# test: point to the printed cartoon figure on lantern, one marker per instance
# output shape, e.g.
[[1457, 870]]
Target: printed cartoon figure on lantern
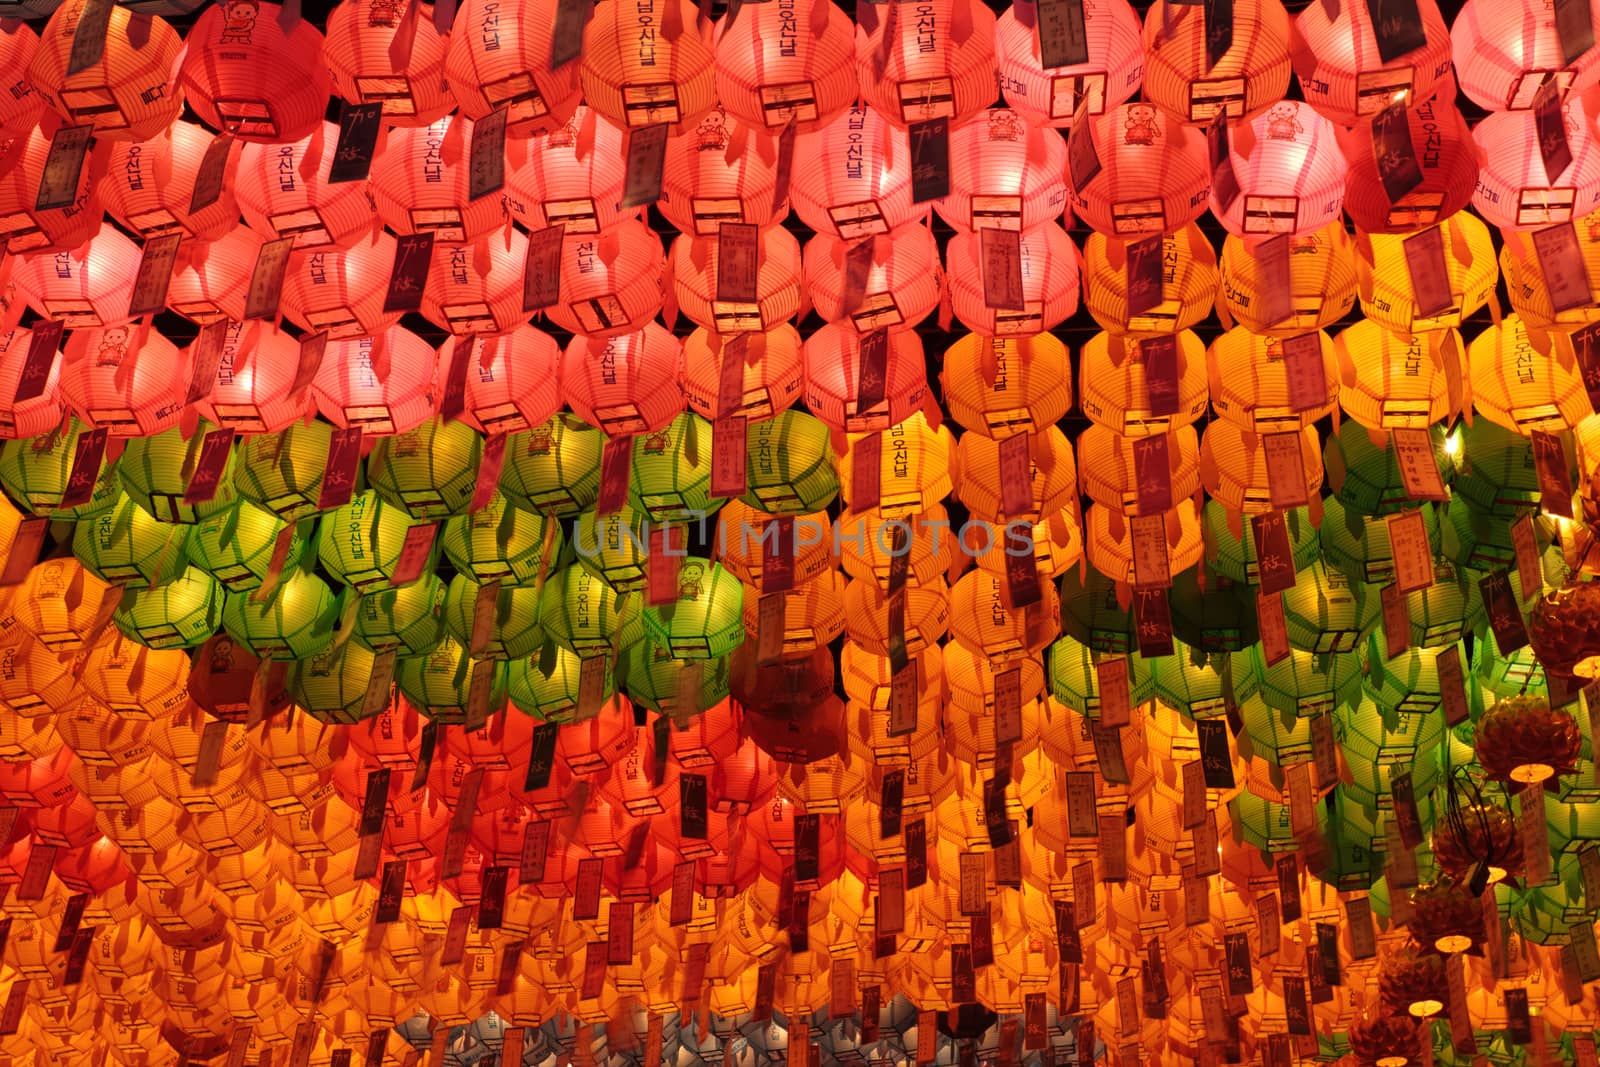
[[1283, 124], [238, 20], [655, 444], [1140, 125], [1004, 126], [712, 133], [689, 578], [539, 440], [113, 347]]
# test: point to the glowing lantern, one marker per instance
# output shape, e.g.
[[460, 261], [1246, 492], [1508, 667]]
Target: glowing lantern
[[773, 371], [860, 183], [1114, 390], [408, 620], [790, 464], [20, 106], [477, 288], [254, 70], [126, 544], [501, 59], [1343, 74], [210, 281], [148, 186], [420, 184], [741, 550], [1053, 477], [35, 470], [1250, 382], [1292, 181], [832, 379], [706, 620], [903, 285], [1111, 552], [129, 93], [40, 682], [552, 696], [1504, 52], [90, 286], [1050, 97], [514, 633], [29, 418], [667, 77], [251, 392], [180, 614], [155, 472], [1188, 282], [1322, 281], [1519, 382], [1152, 176], [235, 546], [774, 66], [1389, 298], [296, 622], [1513, 190], [623, 383], [722, 171], [938, 65], [613, 547], [352, 389], [506, 394], [340, 291], [359, 544], [283, 191], [1529, 287], [816, 612], [1252, 74], [1050, 267], [1393, 380], [429, 471], [553, 468], [129, 380], [379, 52], [914, 470], [1004, 174], [569, 175], [610, 283], [282, 472], [1446, 156], [1359, 546], [1107, 470], [583, 615], [670, 480], [999, 386], [1236, 469], [653, 680], [332, 685], [692, 264], [500, 542]]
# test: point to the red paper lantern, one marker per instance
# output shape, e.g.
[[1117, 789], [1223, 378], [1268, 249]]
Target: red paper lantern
[[772, 371], [340, 291], [1112, 73], [723, 170], [421, 183], [477, 287], [1153, 175], [903, 286], [773, 825], [933, 61], [572, 175], [1050, 271], [130, 380], [611, 282], [788, 62], [855, 176], [589, 747], [1513, 190], [513, 381], [1446, 155], [29, 418], [19, 104], [624, 384], [381, 52], [1249, 76], [283, 191], [148, 186], [833, 379], [251, 392], [23, 226], [130, 93], [253, 70], [96, 867], [499, 56], [647, 62], [350, 390], [212, 279], [693, 264], [1004, 174], [1292, 181], [1505, 49], [1342, 73]]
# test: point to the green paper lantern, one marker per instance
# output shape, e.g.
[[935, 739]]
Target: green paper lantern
[[516, 633], [1356, 844], [554, 468], [236, 546], [790, 467], [429, 471], [670, 480], [296, 621], [180, 614], [1221, 617], [156, 470], [584, 615], [408, 619], [35, 470], [1233, 555], [1075, 682], [1325, 613], [550, 696], [1092, 613], [1441, 614], [1371, 782], [706, 620], [124, 544], [1371, 484], [1506, 676], [1496, 472], [653, 679], [1358, 546], [440, 683], [613, 548], [282, 472], [1277, 735], [1545, 914], [1261, 823], [332, 685], [502, 542], [1395, 739], [359, 543], [1309, 683], [1407, 683], [1196, 683]]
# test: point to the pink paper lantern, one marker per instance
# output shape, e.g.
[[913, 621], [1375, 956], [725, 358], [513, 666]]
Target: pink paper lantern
[[1505, 49], [383, 383], [1344, 77], [724, 170], [19, 104], [29, 418], [477, 287], [252, 70], [378, 51], [692, 264], [572, 175], [499, 56], [128, 379], [283, 191], [786, 62], [1446, 155], [1249, 77], [647, 62], [903, 285], [212, 278], [610, 282], [935, 60], [852, 176], [251, 391], [1051, 97], [833, 379], [513, 380], [87, 287], [148, 186], [625, 384], [23, 226], [1293, 179], [1513, 190], [341, 290], [131, 93], [1004, 174], [1153, 176], [1051, 267], [421, 183]]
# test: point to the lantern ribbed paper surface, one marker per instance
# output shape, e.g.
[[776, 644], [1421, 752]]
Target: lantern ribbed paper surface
[[284, 191], [939, 64], [1050, 97], [1004, 174], [1188, 282], [1250, 75], [645, 63], [1447, 159], [130, 92], [1292, 180], [858, 179], [149, 184], [380, 53], [1050, 270], [786, 63], [1388, 292], [1342, 69], [571, 174], [610, 282], [723, 170], [254, 70], [1322, 281], [340, 291], [1152, 176], [1503, 52], [1514, 190], [903, 285]]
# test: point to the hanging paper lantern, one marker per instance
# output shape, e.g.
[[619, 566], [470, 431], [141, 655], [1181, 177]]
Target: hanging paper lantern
[[937, 65], [721, 171], [421, 184], [1250, 382], [255, 70], [130, 92], [180, 614], [379, 52], [359, 543], [1520, 383], [149, 184], [283, 190], [1050, 267], [1053, 477], [155, 472], [1152, 175], [295, 623], [428, 471], [125, 544], [210, 281], [623, 383], [614, 547], [35, 471], [512, 379], [817, 612], [1513, 190], [477, 288], [790, 464], [1322, 281], [773, 371], [610, 283], [670, 480], [28, 228], [32, 417], [340, 291], [1445, 154], [383, 384], [282, 472], [553, 468], [20, 106], [1388, 295], [1107, 470], [1292, 180], [1251, 75], [740, 547], [1188, 282], [129, 380], [833, 372], [1504, 52], [643, 66], [515, 633], [236, 546], [501, 59], [999, 386], [1237, 474], [858, 179], [1111, 552], [1050, 96], [693, 266], [1530, 288], [582, 614], [569, 175], [903, 285], [1393, 380], [783, 64], [706, 620], [408, 620], [57, 603], [1114, 391], [251, 393], [1340, 67], [332, 685], [1004, 174]]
